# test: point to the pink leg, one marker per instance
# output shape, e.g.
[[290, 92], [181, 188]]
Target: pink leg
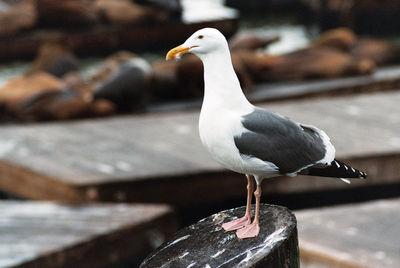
[[246, 219], [252, 229]]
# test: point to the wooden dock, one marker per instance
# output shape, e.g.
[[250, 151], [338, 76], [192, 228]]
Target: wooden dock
[[158, 157], [357, 235], [383, 79], [42, 234]]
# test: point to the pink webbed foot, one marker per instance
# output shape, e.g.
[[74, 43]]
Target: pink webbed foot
[[248, 231], [236, 224]]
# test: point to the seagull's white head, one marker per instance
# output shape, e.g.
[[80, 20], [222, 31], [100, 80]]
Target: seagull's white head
[[201, 43]]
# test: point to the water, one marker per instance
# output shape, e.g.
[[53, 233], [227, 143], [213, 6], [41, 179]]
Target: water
[[293, 34], [206, 10]]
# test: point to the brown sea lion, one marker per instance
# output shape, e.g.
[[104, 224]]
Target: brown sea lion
[[55, 59], [306, 64], [251, 41], [16, 17], [124, 80], [67, 13], [339, 38], [126, 12], [377, 50]]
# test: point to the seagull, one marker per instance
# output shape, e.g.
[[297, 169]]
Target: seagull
[[251, 140]]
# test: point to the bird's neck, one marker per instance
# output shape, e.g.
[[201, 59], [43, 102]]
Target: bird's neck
[[221, 84]]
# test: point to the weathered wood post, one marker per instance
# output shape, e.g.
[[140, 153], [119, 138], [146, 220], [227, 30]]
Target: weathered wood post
[[206, 244]]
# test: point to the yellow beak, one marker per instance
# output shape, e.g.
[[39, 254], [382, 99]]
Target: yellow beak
[[177, 51]]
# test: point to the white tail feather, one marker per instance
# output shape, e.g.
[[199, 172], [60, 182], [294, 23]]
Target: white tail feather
[[345, 180]]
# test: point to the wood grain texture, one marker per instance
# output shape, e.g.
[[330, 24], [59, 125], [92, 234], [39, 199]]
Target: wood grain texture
[[206, 244], [41, 234], [357, 235], [148, 157], [383, 79]]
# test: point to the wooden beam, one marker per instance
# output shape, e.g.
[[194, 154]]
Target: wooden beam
[[355, 235], [383, 79], [159, 157], [206, 244], [37, 186], [42, 234]]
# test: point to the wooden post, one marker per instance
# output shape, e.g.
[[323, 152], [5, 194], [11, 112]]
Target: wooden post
[[206, 244]]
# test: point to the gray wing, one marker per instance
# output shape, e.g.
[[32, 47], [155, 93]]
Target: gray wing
[[276, 139]]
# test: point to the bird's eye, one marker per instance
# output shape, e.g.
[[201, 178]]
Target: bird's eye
[[200, 37]]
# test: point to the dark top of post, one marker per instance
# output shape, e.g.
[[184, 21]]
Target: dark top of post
[[206, 244]]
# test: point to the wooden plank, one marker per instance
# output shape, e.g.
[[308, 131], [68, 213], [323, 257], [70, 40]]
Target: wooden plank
[[358, 235], [42, 234], [383, 79], [148, 157], [206, 244]]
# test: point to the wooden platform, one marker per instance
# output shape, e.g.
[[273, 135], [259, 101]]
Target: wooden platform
[[358, 235], [159, 158], [207, 244], [383, 79], [41, 234]]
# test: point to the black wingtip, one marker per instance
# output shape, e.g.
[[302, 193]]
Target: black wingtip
[[336, 169], [363, 175]]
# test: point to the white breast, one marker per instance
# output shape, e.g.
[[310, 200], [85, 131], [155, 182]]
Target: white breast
[[217, 131]]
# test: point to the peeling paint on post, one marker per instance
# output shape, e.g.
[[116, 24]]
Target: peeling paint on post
[[206, 244]]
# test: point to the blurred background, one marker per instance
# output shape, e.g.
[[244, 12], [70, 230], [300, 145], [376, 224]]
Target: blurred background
[[100, 160]]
